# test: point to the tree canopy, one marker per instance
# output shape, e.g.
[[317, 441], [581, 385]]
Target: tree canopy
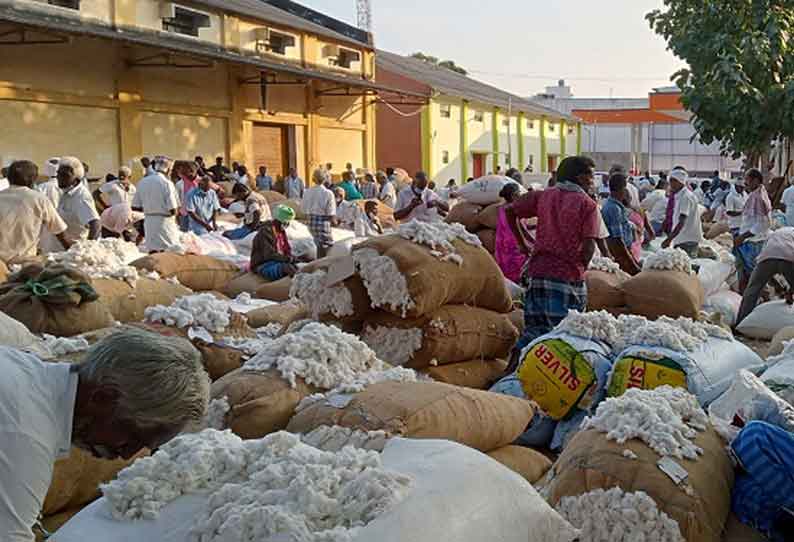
[[448, 64], [740, 81]]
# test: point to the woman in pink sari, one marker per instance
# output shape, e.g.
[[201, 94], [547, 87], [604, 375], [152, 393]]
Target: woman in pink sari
[[508, 254]]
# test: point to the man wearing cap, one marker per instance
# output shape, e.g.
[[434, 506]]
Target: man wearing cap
[[271, 254], [156, 198], [687, 230], [255, 209]]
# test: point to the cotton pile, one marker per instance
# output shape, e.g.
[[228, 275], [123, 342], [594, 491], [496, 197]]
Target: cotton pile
[[203, 310], [63, 346], [605, 265], [310, 289], [360, 382], [216, 414], [393, 344], [438, 236], [666, 419], [335, 438], [385, 283], [322, 355], [668, 259], [614, 516], [275, 488], [102, 259]]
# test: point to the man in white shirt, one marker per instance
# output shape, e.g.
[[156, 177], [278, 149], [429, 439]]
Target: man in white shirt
[[156, 198], [734, 205], [655, 206], [418, 202], [49, 243], [787, 204], [119, 191], [345, 210], [687, 232], [4, 184], [319, 204], [387, 194], [367, 223], [135, 389], [24, 214], [77, 207], [776, 258], [294, 187]]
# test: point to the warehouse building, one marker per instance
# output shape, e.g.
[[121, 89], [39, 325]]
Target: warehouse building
[[467, 128], [261, 83]]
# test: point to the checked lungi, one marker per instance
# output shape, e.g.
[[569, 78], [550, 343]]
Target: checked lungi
[[320, 228]]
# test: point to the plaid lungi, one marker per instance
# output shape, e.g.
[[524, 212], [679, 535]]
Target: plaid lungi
[[546, 304], [320, 228], [764, 491]]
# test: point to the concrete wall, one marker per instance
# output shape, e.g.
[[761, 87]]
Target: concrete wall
[[341, 146], [183, 136]]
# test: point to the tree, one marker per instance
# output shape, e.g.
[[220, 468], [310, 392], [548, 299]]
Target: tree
[[739, 85], [448, 64]]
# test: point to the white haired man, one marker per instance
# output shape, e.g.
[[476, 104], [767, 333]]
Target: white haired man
[[157, 199], [134, 390], [687, 229], [120, 190], [77, 206]]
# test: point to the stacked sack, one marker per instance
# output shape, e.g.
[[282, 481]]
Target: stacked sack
[[605, 282], [428, 297]]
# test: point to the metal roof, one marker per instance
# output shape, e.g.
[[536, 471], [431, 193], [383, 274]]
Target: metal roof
[[64, 24], [445, 81]]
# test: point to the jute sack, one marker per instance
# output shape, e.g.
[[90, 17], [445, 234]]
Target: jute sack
[[530, 464], [56, 521], [362, 308], [277, 291], [716, 230], [433, 283], [199, 273], [604, 290], [426, 410], [517, 318], [488, 239], [272, 196], [664, 293], [784, 335], [127, 303], [260, 402], [283, 314], [294, 204], [451, 334], [477, 374], [245, 282], [4, 272], [465, 213], [76, 479], [489, 217], [591, 462], [57, 300]]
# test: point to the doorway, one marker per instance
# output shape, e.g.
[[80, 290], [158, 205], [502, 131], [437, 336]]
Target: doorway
[[270, 148], [478, 165], [552, 162]]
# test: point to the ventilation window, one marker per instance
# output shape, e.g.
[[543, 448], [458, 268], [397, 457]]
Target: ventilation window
[[183, 21], [570, 130], [348, 57], [446, 111], [531, 124], [551, 127], [506, 123], [445, 157], [479, 116], [271, 41]]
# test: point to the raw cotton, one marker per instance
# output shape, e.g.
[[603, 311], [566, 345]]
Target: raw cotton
[[216, 414], [596, 325], [275, 488], [606, 265], [310, 289], [102, 259], [615, 516], [322, 355], [438, 236], [667, 419], [335, 438], [385, 283], [62, 346], [668, 259], [397, 346], [204, 310]]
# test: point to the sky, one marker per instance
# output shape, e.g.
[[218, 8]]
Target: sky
[[601, 48]]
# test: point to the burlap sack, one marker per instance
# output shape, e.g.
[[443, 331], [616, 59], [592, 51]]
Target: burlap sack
[[489, 217], [428, 410], [716, 230], [604, 290], [199, 273], [736, 531], [477, 374], [127, 303], [272, 196], [362, 306], [433, 283], [465, 213], [283, 314], [488, 240], [452, 334], [784, 335], [245, 282], [294, 204], [4, 272], [517, 318], [57, 300], [277, 291], [528, 463], [664, 293], [54, 522], [76, 479], [590, 462], [260, 402]]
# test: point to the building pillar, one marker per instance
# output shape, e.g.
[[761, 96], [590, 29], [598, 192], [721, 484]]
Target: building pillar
[[230, 32], [130, 118], [544, 158], [370, 141], [520, 135], [495, 138], [235, 130], [578, 138], [563, 140], [427, 140], [312, 157], [464, 141]]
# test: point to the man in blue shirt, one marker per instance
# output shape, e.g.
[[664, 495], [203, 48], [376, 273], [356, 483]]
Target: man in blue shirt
[[202, 206], [616, 219], [264, 181]]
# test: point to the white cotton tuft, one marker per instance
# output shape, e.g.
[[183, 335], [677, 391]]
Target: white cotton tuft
[[322, 355], [393, 345], [101, 259], [614, 516], [596, 325], [605, 265], [335, 438], [310, 289], [204, 310], [63, 346], [628, 454], [216, 414], [668, 259], [385, 284], [667, 419], [439, 236]]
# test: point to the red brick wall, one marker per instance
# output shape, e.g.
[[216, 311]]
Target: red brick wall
[[399, 138]]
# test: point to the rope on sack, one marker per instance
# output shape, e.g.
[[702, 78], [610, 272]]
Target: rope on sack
[[38, 289]]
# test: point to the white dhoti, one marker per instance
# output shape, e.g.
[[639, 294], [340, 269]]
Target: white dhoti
[[162, 234]]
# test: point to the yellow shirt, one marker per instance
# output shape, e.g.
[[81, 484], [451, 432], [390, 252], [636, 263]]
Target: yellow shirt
[[23, 213]]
